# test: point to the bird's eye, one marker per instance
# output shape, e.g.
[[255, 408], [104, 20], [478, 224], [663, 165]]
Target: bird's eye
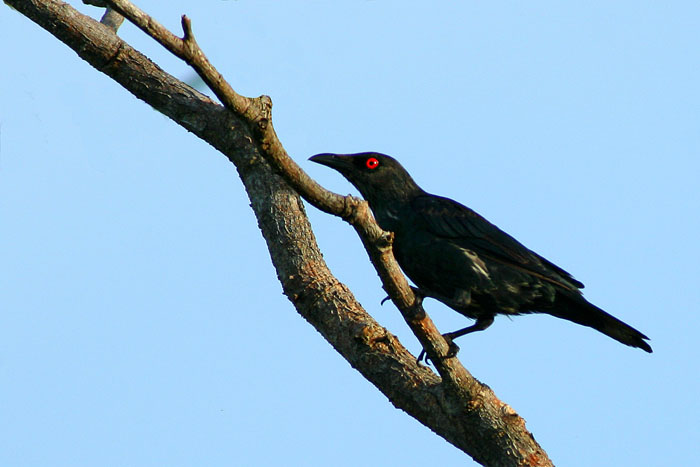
[[372, 163]]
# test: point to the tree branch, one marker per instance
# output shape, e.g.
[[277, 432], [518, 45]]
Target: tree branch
[[257, 112], [458, 407]]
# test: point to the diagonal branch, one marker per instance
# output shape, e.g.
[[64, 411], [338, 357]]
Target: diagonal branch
[[257, 113], [460, 409]]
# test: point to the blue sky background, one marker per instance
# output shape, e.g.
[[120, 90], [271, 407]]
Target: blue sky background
[[141, 322]]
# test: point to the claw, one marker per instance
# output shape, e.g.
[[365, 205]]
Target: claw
[[422, 357], [452, 351], [419, 295], [453, 348]]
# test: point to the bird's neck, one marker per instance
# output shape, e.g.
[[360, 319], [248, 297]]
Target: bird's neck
[[392, 210]]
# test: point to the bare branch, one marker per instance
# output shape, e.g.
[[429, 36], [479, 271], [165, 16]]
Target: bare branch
[[258, 113], [460, 409]]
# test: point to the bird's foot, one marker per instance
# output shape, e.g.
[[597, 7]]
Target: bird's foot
[[416, 291], [419, 294], [452, 350], [417, 311], [422, 356]]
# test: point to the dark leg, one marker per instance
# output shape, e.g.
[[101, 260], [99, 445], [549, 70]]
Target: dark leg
[[481, 323]]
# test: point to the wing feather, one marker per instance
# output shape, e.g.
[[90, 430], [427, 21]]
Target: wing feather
[[451, 220]]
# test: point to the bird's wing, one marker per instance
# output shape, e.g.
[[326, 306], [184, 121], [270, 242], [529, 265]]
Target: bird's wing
[[449, 219]]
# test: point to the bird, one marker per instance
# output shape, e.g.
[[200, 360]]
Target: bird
[[456, 256]]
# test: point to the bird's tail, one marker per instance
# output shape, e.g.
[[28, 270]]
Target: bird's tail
[[578, 310]]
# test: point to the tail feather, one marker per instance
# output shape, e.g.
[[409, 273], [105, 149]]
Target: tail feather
[[580, 311]]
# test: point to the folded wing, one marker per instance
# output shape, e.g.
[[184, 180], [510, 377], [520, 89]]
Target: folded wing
[[451, 220]]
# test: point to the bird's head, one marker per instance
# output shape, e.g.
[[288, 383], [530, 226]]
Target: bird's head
[[373, 174], [383, 182]]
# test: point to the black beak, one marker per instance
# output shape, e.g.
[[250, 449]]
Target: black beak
[[338, 162]]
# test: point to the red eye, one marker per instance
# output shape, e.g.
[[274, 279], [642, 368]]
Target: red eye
[[372, 163]]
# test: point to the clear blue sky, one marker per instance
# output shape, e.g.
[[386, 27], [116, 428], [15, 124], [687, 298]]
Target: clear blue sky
[[141, 322]]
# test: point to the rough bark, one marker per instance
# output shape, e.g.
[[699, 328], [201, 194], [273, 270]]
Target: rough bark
[[454, 405]]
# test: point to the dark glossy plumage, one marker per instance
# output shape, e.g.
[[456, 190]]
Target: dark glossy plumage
[[456, 256]]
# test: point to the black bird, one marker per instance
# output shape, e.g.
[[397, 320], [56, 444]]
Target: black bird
[[456, 256]]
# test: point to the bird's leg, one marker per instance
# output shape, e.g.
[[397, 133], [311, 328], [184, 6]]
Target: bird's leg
[[482, 322]]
